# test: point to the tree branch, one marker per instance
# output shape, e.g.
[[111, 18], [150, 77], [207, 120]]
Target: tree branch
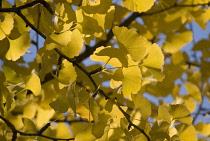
[[15, 131]]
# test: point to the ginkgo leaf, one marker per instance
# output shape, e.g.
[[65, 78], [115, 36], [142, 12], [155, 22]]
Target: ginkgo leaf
[[163, 113], [138, 5], [94, 108], [186, 132], [75, 45], [132, 77], [194, 91], [203, 129], [179, 111], [96, 6], [6, 25], [142, 104], [18, 47], [112, 56], [32, 83], [67, 73], [98, 128], [62, 103], [86, 134], [130, 42], [155, 61], [63, 131], [11, 75], [29, 110], [117, 78], [29, 126], [61, 39], [175, 42]]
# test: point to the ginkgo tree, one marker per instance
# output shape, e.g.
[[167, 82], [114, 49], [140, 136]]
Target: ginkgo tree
[[100, 63]]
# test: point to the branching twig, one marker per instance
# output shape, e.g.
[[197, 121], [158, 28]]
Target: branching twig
[[15, 132]]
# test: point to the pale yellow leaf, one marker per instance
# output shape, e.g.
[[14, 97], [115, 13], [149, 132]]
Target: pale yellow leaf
[[32, 83], [18, 47], [138, 5]]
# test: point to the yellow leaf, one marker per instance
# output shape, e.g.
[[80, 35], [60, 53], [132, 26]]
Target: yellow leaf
[[203, 129], [130, 42], [61, 104], [155, 61], [94, 108], [138, 5], [179, 111], [61, 39], [194, 91], [86, 134], [131, 82], [117, 78], [6, 25], [186, 132], [11, 75], [75, 45], [112, 56], [63, 131], [29, 110], [29, 126], [175, 42], [67, 74], [18, 47], [142, 104], [32, 83], [163, 113], [96, 6]]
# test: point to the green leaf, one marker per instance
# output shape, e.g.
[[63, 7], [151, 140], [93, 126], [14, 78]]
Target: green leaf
[[138, 5], [32, 83], [67, 74], [18, 47], [142, 104], [155, 61], [11, 75], [130, 42], [194, 91], [6, 25], [175, 42]]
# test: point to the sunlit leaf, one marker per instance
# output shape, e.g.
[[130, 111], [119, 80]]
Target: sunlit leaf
[[203, 128], [32, 83], [138, 5], [154, 61], [86, 134], [67, 73], [163, 113], [74, 47], [63, 131], [6, 25], [130, 42], [62, 39], [186, 132], [142, 104], [11, 75], [194, 91], [175, 42], [18, 47], [112, 56], [29, 110], [29, 126], [179, 111]]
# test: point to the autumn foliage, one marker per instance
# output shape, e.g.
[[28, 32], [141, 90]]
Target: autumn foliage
[[92, 70]]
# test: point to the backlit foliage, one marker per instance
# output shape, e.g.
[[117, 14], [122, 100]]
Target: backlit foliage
[[100, 69]]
